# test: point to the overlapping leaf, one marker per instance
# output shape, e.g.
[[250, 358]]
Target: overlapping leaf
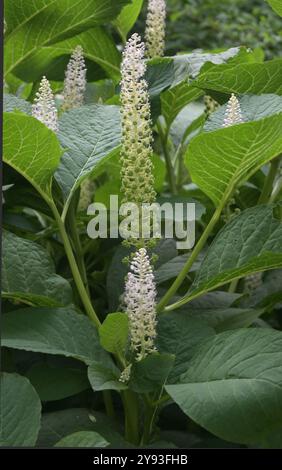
[[52, 331], [28, 274], [218, 161], [20, 411], [34, 151], [252, 242], [45, 22], [233, 387], [89, 135]]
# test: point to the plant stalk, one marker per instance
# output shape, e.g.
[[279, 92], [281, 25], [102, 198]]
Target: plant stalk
[[183, 273], [131, 410], [74, 269], [170, 170], [269, 180]]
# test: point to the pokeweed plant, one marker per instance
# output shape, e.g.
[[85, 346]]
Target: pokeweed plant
[[107, 343]]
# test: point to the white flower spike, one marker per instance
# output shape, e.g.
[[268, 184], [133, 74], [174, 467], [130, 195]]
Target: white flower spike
[[137, 169], [44, 108], [233, 114], [155, 28], [75, 81], [140, 302]]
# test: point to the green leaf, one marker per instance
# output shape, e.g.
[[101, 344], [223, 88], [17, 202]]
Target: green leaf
[[276, 5], [151, 373], [53, 331], [174, 99], [221, 160], [83, 439], [55, 383], [253, 108], [178, 334], [114, 333], [89, 135], [20, 411], [105, 377], [250, 243], [28, 274], [233, 385], [13, 103], [126, 19], [253, 78], [58, 424], [42, 23], [34, 151], [98, 47]]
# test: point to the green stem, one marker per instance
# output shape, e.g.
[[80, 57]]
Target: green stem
[[74, 269], [268, 182], [77, 246], [233, 285], [131, 410], [170, 170], [183, 273]]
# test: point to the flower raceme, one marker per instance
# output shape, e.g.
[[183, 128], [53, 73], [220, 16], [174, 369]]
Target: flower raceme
[[136, 166], [44, 108], [233, 114], [140, 302], [75, 81], [155, 28]]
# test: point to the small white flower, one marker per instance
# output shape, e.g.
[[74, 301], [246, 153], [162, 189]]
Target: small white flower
[[155, 28], [233, 114], [125, 375], [44, 108], [140, 302], [75, 81]]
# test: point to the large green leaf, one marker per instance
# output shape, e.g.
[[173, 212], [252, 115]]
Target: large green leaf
[[276, 5], [33, 150], [150, 374], [53, 331], [126, 19], [174, 99], [28, 274], [83, 439], [89, 134], [55, 383], [218, 161], [250, 78], [105, 377], [233, 385], [20, 412], [41, 23], [98, 47], [178, 334], [251, 242], [13, 103], [253, 108], [114, 333]]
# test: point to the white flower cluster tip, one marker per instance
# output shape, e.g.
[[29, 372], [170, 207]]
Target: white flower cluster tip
[[233, 114], [137, 169], [44, 108], [155, 28], [75, 81], [140, 302]]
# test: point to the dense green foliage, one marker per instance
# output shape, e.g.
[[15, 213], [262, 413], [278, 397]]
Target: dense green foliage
[[70, 374]]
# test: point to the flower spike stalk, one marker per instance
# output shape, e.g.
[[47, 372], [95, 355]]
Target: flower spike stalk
[[140, 302], [44, 108], [233, 113], [137, 169], [155, 28], [75, 81]]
